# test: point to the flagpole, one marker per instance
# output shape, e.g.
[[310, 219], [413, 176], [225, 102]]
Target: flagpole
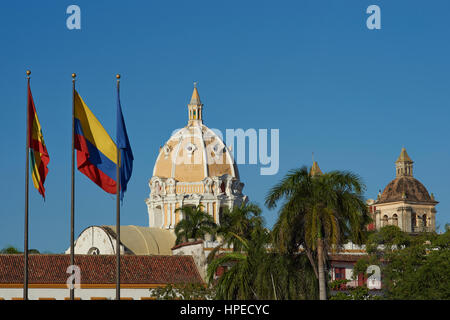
[[118, 209], [27, 177], [72, 208]]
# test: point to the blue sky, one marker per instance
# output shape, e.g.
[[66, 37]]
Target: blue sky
[[311, 69]]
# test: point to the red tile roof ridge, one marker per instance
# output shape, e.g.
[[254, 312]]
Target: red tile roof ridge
[[184, 244]]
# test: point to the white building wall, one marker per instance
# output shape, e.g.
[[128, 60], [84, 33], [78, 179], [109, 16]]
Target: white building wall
[[95, 237], [84, 294]]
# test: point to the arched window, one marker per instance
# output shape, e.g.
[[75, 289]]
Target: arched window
[[94, 251], [413, 222], [395, 220], [384, 221], [159, 219]]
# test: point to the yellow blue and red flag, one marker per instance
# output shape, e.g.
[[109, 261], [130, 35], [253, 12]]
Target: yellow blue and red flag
[[38, 152], [96, 151]]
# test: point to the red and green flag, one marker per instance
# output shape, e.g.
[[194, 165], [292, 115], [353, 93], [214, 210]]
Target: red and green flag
[[38, 152]]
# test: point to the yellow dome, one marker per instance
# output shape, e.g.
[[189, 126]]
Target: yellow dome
[[193, 168], [194, 152]]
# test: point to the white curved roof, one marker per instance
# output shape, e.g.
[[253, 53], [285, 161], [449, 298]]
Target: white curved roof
[[144, 240]]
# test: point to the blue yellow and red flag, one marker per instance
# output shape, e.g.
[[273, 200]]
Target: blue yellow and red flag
[[38, 152], [96, 151]]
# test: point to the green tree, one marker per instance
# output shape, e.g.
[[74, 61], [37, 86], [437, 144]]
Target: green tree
[[183, 291], [355, 293], [286, 277], [387, 239], [412, 266], [14, 250], [239, 282], [320, 211], [10, 250], [238, 221], [195, 224], [257, 269], [419, 270]]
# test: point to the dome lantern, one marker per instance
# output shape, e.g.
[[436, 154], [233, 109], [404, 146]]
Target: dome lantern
[[404, 165], [195, 108]]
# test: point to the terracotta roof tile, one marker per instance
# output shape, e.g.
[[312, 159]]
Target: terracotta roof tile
[[184, 244], [100, 269]]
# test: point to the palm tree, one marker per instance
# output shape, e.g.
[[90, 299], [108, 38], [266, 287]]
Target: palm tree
[[286, 277], [319, 212], [195, 224], [241, 221], [239, 281], [259, 272]]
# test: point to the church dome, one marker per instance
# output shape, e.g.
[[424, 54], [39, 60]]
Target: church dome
[[193, 168], [195, 152], [405, 188]]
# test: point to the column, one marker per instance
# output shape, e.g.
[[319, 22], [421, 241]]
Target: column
[[172, 224]]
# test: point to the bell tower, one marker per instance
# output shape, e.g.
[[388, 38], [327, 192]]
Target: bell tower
[[404, 165]]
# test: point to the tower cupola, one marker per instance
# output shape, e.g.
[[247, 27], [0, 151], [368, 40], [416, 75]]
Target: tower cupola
[[404, 165], [195, 108]]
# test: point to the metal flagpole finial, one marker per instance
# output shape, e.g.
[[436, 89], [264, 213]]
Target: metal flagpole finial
[[74, 75], [313, 156], [118, 76], [195, 84], [28, 73]]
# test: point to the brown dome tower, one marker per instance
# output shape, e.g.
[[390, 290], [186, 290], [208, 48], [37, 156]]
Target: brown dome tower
[[405, 202]]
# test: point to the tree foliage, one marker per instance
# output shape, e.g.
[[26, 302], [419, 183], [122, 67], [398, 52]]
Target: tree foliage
[[14, 250], [257, 270], [319, 213], [184, 291], [239, 220], [10, 250], [239, 281], [412, 266], [355, 293], [420, 270], [195, 224]]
